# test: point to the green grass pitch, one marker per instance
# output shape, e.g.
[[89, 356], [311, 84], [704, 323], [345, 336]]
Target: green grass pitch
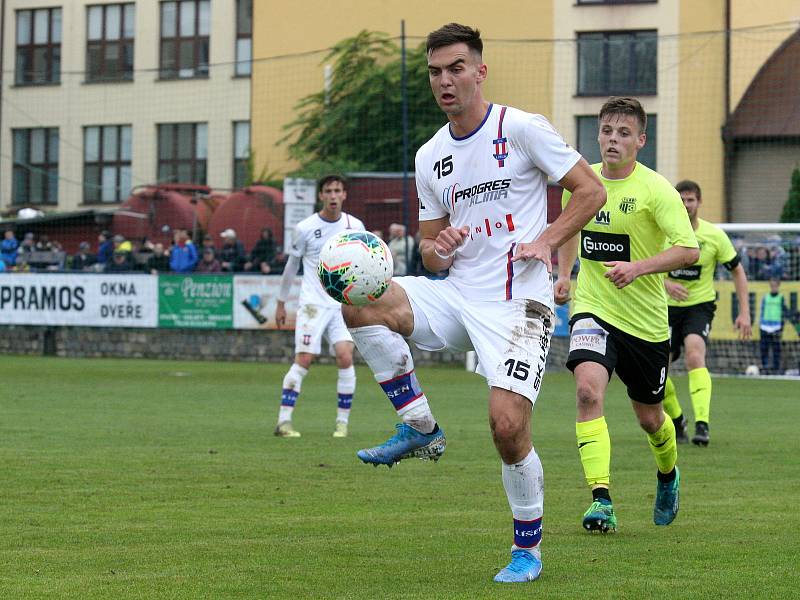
[[145, 479]]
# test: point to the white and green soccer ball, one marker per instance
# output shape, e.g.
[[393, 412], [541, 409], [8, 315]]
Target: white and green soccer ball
[[355, 267]]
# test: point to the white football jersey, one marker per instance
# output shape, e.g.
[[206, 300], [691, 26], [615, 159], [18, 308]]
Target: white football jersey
[[310, 236], [494, 180]]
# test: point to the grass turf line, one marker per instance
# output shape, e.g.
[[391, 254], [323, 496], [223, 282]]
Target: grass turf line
[[146, 479]]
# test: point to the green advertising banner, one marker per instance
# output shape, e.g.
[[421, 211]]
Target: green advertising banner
[[197, 301]]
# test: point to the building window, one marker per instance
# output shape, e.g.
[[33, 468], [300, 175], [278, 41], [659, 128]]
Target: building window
[[182, 152], [185, 29], [35, 166], [106, 163], [38, 46], [109, 47], [244, 37], [241, 153], [617, 63], [587, 140]]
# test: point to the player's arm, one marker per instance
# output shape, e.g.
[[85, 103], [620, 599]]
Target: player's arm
[[438, 243], [676, 290], [742, 322], [675, 257], [588, 196], [287, 279]]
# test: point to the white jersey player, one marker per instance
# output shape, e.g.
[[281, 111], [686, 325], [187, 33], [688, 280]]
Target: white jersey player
[[481, 182], [318, 315]]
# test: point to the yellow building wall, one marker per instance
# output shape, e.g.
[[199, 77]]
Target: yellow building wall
[[701, 101], [759, 27], [284, 30]]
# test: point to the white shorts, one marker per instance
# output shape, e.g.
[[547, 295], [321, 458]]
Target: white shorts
[[315, 321], [510, 337]]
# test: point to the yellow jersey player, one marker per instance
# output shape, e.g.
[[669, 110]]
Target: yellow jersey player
[[619, 319], [691, 299]]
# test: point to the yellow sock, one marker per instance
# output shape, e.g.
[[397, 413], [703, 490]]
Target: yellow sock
[[594, 446], [671, 405], [664, 446], [700, 390]]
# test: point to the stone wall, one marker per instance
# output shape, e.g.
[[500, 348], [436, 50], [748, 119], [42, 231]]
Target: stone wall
[[278, 346], [186, 344]]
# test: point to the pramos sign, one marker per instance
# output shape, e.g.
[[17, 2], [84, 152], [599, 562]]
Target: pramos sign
[[79, 299]]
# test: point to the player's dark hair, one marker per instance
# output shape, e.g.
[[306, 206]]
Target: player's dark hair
[[330, 179], [622, 105], [687, 185], [454, 33]]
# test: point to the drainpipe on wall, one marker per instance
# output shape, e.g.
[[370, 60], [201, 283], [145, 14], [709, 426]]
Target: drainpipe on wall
[[727, 143], [2, 85]]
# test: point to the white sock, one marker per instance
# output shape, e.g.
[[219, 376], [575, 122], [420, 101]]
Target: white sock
[[524, 485], [292, 383], [345, 388], [389, 357]]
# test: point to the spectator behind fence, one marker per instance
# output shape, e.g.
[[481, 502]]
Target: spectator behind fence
[[158, 262], [183, 255], [43, 244], [262, 257], [28, 244], [8, 248], [120, 262], [208, 262], [83, 260], [208, 242], [232, 255], [772, 315], [105, 247], [401, 247]]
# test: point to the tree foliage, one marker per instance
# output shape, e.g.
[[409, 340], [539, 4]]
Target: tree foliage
[[791, 210], [356, 124]]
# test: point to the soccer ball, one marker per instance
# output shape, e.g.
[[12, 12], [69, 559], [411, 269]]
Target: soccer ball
[[355, 267], [752, 371]]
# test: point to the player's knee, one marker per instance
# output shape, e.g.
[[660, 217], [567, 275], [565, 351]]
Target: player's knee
[[588, 397], [505, 430], [695, 359], [650, 421], [304, 359]]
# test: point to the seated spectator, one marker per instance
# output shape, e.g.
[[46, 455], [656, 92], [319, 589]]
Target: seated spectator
[[120, 262], [761, 264], [158, 262], [43, 245], [105, 247], [83, 260], [183, 255], [8, 248], [263, 255], [231, 255], [401, 246], [208, 242], [209, 262], [28, 244]]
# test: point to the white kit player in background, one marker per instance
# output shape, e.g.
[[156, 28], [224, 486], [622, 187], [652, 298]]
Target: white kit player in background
[[482, 186], [318, 315]]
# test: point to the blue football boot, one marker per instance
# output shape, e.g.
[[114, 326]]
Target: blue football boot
[[406, 443], [524, 566], [667, 500]]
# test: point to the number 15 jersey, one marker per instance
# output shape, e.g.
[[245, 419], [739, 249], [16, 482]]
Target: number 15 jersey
[[494, 180]]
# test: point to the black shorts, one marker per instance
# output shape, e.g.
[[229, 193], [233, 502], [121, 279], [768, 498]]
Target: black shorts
[[684, 320], [640, 365]]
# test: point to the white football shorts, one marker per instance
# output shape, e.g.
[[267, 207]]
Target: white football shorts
[[510, 337], [315, 321]]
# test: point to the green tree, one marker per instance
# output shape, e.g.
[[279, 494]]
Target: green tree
[[791, 210], [356, 124]]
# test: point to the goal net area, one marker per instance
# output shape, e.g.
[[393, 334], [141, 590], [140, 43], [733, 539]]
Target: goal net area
[[770, 255]]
